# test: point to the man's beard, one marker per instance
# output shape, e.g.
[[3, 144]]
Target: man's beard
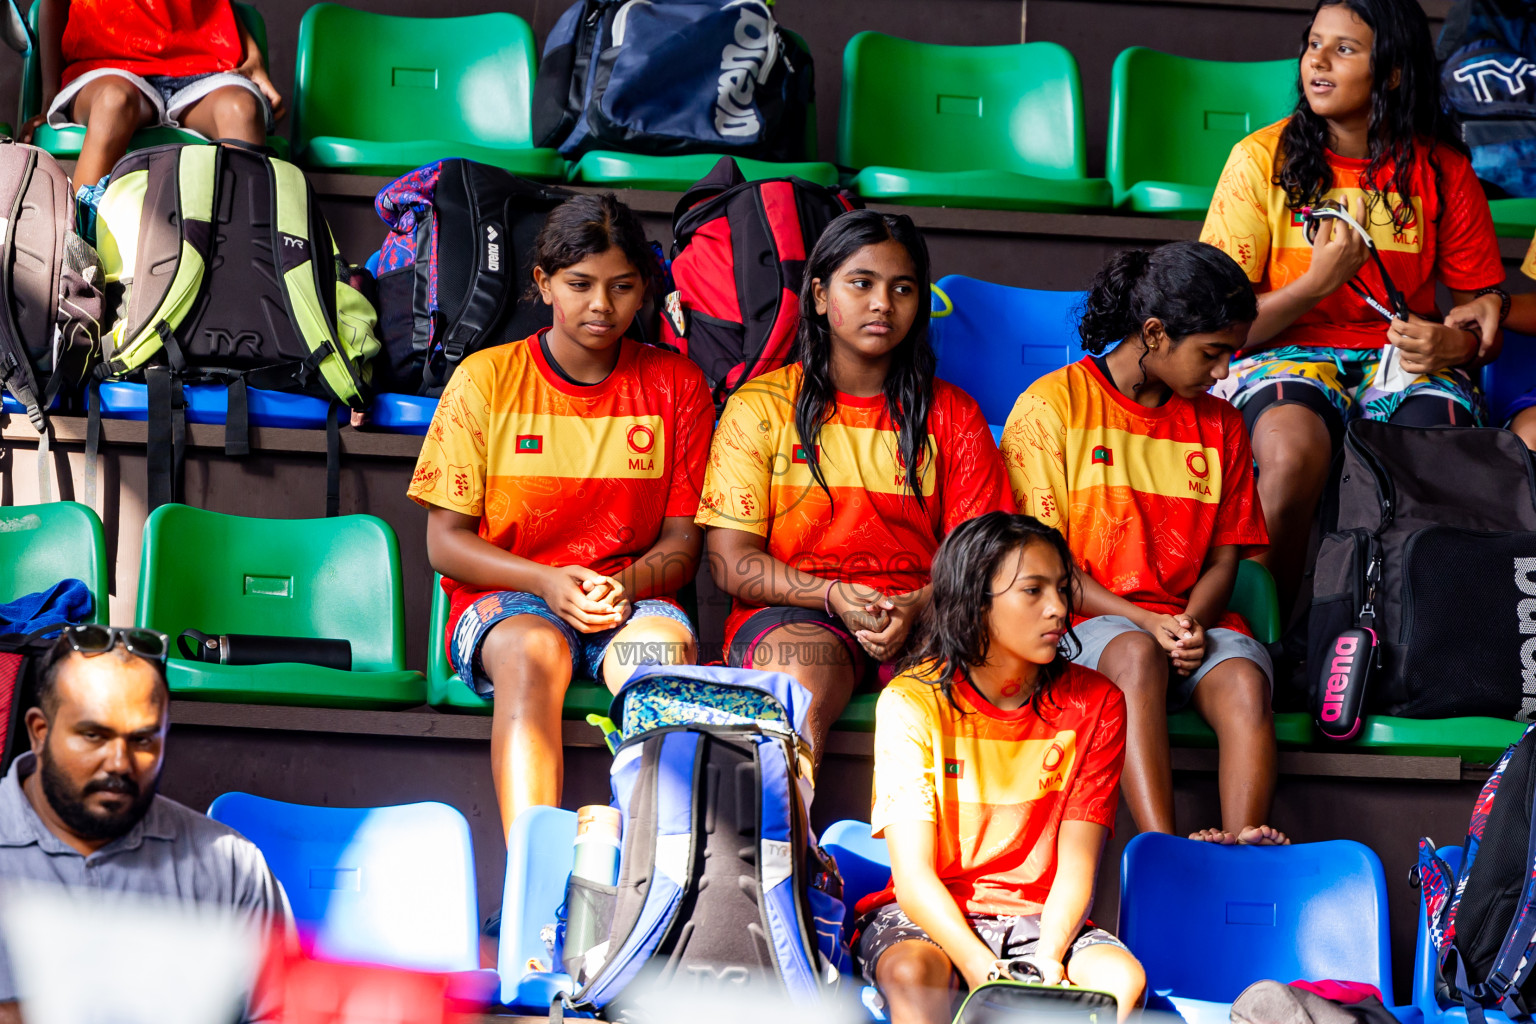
[[69, 803]]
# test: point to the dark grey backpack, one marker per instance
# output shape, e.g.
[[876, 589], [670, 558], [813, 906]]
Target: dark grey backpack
[[50, 286]]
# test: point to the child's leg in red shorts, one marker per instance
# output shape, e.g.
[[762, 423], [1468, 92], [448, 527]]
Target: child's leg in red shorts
[[112, 109]]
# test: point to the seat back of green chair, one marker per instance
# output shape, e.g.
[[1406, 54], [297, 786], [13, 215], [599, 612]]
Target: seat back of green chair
[[1176, 119], [32, 68], [438, 669], [385, 78], [1254, 598], [42, 544], [336, 578], [926, 107]]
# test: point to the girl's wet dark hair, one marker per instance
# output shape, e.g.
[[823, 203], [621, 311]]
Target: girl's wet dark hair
[[1404, 117], [589, 225], [1192, 287], [908, 382], [953, 634]]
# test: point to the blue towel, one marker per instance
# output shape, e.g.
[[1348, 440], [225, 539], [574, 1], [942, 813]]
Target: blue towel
[[67, 602]]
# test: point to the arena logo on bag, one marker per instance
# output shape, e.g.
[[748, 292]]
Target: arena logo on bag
[[742, 64]]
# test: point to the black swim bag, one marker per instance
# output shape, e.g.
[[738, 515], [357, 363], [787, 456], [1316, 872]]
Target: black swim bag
[[1434, 555]]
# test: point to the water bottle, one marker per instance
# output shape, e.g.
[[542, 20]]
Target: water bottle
[[597, 865]]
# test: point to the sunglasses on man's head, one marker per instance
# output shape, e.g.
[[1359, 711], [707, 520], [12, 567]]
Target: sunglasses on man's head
[[92, 640]]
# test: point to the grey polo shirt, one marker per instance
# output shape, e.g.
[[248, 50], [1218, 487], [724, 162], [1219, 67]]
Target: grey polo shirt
[[173, 852]]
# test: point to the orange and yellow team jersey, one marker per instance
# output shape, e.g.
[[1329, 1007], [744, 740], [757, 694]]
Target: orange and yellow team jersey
[[866, 527], [996, 784], [561, 473], [151, 37], [1142, 495], [1450, 238]]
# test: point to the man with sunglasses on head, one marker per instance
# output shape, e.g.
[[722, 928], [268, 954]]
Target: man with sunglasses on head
[[81, 808]]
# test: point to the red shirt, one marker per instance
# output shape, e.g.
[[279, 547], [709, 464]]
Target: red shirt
[[151, 37]]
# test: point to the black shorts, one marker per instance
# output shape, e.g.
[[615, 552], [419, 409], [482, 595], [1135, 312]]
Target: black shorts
[[1006, 936], [816, 623]]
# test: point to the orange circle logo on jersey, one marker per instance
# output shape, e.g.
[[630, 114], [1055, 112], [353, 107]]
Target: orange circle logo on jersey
[[641, 438], [1053, 757], [1198, 464]]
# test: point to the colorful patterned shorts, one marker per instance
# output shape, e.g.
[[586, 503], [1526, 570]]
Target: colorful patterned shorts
[[587, 649], [1344, 375]]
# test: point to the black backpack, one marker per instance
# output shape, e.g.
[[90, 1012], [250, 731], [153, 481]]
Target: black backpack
[[455, 267], [1434, 552]]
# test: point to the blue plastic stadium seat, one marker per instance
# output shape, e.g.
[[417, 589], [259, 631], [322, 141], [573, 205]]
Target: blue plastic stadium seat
[[992, 366], [209, 403], [11, 407], [1511, 375], [402, 414], [384, 885], [1207, 921], [863, 861], [540, 854]]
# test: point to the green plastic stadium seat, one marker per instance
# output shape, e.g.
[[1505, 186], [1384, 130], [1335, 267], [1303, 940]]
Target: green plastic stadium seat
[[43, 544], [64, 143], [992, 127], [678, 173], [336, 578], [1474, 740], [381, 94], [1173, 122], [1514, 218]]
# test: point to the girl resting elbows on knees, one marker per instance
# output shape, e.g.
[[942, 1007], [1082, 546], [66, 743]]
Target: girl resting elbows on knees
[[1368, 133], [997, 762], [562, 476], [1151, 481], [832, 480]]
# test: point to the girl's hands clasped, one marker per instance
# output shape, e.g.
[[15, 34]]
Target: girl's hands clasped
[[589, 601]]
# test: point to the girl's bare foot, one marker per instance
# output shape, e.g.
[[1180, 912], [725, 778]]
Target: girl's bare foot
[[1262, 835], [1215, 835]]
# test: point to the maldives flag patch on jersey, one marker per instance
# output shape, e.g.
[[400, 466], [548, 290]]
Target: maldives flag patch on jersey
[[532, 443], [1103, 456], [954, 768], [799, 455]]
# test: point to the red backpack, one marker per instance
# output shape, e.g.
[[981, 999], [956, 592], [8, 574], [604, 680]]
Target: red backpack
[[738, 253]]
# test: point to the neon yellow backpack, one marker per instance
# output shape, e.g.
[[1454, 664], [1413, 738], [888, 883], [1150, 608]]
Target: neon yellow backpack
[[227, 272]]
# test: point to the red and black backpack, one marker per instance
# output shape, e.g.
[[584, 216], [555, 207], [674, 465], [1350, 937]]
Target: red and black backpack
[[738, 253]]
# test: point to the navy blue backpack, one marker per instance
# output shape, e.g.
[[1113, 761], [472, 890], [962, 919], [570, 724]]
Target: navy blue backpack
[[664, 77], [1487, 52], [721, 882], [1482, 917]]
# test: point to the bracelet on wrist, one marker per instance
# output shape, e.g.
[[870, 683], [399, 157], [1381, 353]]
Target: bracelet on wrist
[[1504, 299], [826, 602]]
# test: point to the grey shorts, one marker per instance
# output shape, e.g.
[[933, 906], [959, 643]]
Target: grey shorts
[[1006, 937], [1220, 644], [169, 96]]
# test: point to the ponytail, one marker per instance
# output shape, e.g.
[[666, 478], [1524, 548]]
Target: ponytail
[[1192, 287]]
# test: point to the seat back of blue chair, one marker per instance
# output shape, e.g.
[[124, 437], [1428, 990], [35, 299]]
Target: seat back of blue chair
[[1207, 921], [386, 885], [995, 341], [1510, 376], [540, 854], [1424, 958], [863, 861]]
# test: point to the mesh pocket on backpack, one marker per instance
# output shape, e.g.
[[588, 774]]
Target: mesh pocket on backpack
[[1464, 614]]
